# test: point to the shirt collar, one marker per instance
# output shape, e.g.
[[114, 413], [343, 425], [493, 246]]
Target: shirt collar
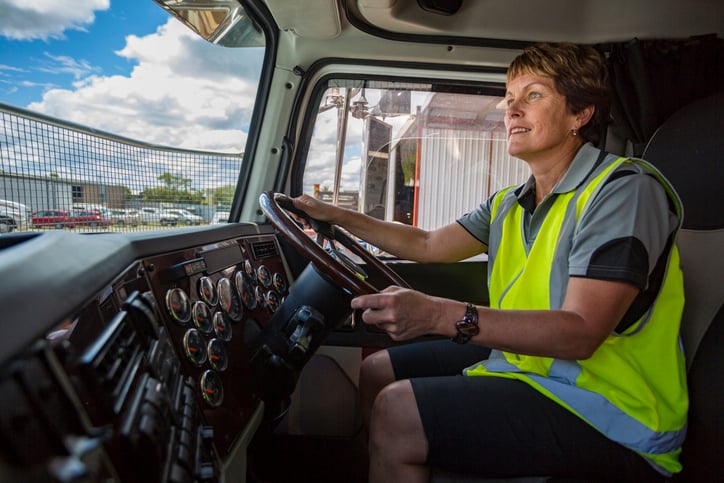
[[582, 164]]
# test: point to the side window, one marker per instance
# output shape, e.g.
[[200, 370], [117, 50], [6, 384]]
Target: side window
[[410, 155], [118, 105]]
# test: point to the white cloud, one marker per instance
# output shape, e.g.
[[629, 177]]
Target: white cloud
[[10, 68], [63, 64], [46, 19], [182, 92]]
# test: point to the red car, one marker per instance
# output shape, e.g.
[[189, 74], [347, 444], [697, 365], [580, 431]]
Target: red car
[[48, 218], [62, 219], [88, 218]]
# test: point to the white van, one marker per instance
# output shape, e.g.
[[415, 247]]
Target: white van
[[13, 216]]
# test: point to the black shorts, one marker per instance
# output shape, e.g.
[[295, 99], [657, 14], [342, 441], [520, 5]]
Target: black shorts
[[498, 427]]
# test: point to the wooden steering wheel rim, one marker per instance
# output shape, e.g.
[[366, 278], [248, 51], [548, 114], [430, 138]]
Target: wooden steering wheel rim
[[336, 271]]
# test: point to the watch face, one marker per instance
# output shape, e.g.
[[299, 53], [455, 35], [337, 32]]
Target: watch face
[[467, 327]]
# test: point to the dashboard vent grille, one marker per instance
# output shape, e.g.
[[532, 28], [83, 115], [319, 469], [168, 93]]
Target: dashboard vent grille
[[264, 249], [113, 360]]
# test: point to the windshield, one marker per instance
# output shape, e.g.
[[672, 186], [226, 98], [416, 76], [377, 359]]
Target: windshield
[[118, 107], [418, 154]]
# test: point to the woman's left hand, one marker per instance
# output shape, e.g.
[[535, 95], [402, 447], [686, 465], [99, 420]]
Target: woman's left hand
[[402, 313]]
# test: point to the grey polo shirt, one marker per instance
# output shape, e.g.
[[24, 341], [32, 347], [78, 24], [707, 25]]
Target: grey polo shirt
[[623, 235]]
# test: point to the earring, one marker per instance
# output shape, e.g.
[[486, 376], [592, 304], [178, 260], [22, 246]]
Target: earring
[[575, 132]]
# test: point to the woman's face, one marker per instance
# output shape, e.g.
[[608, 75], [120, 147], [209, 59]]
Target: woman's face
[[537, 120]]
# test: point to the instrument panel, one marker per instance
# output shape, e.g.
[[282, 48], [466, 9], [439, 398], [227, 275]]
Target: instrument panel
[[213, 300], [145, 376]]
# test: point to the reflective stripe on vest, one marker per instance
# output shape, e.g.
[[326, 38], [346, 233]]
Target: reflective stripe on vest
[[633, 388]]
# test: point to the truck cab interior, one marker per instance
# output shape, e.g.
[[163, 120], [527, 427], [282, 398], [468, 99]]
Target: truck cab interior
[[228, 351]]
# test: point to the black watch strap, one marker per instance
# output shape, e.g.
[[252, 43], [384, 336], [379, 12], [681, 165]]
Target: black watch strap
[[467, 327]]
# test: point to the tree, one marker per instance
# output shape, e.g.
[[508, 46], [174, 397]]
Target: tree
[[177, 190], [223, 195], [175, 182]]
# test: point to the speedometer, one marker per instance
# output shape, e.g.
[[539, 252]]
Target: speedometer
[[207, 291], [230, 299], [178, 305]]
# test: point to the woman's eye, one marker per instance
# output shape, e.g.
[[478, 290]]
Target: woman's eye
[[534, 95]]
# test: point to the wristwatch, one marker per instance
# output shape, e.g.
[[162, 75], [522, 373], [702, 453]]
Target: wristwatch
[[467, 327]]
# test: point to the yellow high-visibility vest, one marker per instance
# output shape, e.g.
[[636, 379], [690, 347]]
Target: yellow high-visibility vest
[[633, 388]]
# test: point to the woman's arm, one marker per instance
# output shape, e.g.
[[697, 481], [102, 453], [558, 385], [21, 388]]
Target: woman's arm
[[447, 244], [591, 311]]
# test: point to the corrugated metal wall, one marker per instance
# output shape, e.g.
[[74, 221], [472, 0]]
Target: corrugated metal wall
[[36, 193], [461, 168]]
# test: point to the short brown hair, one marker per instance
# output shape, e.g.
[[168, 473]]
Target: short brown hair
[[580, 75]]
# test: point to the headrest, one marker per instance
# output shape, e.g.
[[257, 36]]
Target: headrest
[[688, 148]]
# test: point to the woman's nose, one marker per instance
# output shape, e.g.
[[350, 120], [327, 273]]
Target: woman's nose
[[513, 110]]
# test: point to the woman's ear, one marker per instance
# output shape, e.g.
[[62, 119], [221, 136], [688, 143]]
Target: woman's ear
[[585, 115]]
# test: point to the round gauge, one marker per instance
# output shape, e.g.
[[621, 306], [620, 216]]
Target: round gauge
[[229, 299], [222, 329], [259, 296], [202, 316], [207, 291], [272, 300], [178, 305], [249, 269], [264, 276], [211, 388], [246, 288], [218, 357], [195, 346], [279, 283]]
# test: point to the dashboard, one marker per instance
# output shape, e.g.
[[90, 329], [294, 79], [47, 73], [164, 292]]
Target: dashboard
[[128, 357]]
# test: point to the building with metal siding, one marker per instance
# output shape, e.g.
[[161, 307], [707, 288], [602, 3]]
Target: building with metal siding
[[459, 146], [48, 192]]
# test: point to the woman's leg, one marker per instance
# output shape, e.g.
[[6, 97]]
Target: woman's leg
[[398, 447], [375, 373], [496, 427], [483, 426], [433, 358]]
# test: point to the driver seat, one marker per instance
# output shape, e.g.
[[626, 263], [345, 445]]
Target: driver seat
[[688, 149]]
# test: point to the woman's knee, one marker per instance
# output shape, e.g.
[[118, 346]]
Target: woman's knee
[[376, 371], [396, 421]]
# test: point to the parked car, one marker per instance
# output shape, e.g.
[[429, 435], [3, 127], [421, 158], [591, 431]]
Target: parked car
[[123, 217], [14, 215], [51, 218], [159, 216], [7, 224], [66, 219], [185, 216], [220, 217], [91, 219]]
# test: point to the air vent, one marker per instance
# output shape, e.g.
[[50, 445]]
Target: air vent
[[113, 360], [265, 249]]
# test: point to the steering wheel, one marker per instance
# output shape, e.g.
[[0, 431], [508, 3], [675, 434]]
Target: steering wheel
[[335, 265]]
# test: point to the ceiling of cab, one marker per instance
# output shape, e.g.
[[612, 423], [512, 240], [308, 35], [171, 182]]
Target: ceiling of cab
[[505, 21]]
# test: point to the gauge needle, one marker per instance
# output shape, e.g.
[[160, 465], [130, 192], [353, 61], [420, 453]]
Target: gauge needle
[[214, 357], [209, 391]]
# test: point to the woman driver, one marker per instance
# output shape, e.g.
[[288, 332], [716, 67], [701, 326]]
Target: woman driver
[[585, 378]]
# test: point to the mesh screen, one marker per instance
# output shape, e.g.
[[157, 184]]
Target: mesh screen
[[47, 165]]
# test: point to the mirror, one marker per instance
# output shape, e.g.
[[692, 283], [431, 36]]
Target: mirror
[[223, 22]]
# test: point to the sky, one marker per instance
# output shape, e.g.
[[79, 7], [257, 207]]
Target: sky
[[128, 68], [123, 66]]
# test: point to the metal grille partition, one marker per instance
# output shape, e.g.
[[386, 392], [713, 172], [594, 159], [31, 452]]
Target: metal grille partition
[[49, 166]]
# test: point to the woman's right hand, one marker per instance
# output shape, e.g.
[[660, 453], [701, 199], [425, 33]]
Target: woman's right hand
[[317, 209]]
